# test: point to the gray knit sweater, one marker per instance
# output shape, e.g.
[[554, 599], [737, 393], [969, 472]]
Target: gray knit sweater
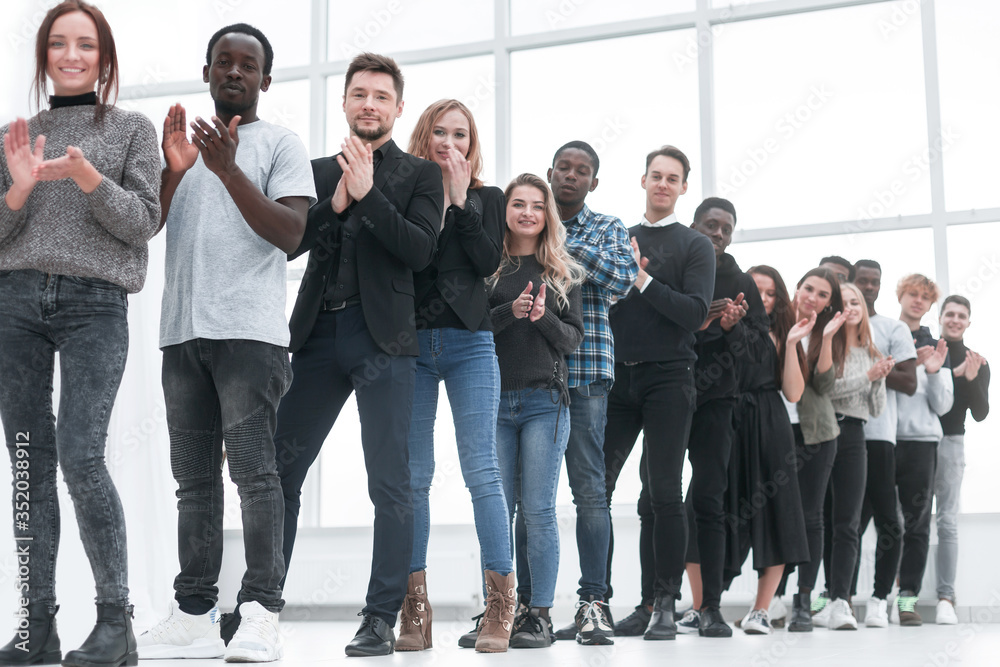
[[62, 230], [854, 395]]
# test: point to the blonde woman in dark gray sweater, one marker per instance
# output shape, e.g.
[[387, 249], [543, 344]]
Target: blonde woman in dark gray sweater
[[858, 393], [79, 199]]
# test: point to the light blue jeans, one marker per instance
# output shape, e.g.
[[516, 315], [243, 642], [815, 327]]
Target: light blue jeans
[[467, 363], [532, 432], [947, 491]]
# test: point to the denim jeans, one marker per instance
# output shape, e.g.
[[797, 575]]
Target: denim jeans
[[588, 414], [215, 391], [532, 430], [467, 363], [947, 490], [85, 320]]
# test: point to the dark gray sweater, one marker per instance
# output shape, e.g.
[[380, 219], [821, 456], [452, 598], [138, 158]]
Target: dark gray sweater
[[62, 230], [533, 354]]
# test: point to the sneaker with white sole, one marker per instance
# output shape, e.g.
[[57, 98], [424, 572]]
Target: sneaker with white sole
[[594, 626], [756, 622], [777, 613], [257, 639], [690, 623], [841, 616], [821, 617], [945, 613], [181, 635], [876, 614]]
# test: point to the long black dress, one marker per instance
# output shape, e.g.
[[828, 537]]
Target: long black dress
[[763, 507]]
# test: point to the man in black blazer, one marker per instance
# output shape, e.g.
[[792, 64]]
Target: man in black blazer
[[352, 329]]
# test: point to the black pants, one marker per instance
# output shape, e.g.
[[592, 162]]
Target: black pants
[[658, 400], [339, 357], [848, 483], [916, 463], [709, 449], [815, 465], [881, 504]]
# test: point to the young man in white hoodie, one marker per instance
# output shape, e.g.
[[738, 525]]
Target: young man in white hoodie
[[918, 432]]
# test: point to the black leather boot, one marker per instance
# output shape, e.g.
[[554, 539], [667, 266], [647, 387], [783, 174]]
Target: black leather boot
[[661, 623], [801, 620], [35, 641], [111, 643]]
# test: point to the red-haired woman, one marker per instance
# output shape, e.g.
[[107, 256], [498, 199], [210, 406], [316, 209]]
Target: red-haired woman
[[79, 199]]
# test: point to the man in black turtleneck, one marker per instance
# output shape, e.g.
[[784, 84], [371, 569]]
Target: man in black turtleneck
[[723, 346]]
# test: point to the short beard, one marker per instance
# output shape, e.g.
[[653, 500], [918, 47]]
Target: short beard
[[228, 109], [370, 135]]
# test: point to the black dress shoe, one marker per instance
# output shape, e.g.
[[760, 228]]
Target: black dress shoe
[[661, 622], [712, 624], [374, 637], [634, 624]]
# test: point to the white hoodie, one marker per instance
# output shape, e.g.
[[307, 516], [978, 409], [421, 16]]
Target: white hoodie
[[918, 414]]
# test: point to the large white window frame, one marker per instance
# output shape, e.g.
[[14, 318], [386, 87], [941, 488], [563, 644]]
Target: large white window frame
[[703, 18]]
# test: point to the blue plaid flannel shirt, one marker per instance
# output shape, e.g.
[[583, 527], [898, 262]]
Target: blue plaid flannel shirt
[[600, 244]]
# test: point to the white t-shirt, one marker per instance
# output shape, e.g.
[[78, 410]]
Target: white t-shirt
[[893, 339], [223, 281]]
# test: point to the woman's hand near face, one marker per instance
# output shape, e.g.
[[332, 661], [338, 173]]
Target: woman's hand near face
[[21, 161], [457, 177]]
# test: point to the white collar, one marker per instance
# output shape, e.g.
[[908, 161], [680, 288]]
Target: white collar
[[669, 220]]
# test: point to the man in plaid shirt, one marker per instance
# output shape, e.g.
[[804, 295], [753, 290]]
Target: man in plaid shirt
[[600, 244]]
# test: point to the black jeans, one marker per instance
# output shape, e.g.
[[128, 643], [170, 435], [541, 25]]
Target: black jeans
[[848, 484], [815, 465], [215, 391], [339, 357], [85, 320], [916, 463], [881, 504], [658, 400], [709, 448]]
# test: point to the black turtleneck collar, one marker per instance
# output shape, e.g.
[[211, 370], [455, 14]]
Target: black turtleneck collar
[[56, 101]]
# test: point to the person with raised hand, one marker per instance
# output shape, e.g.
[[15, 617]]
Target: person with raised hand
[[455, 334], [79, 186], [235, 196], [537, 318]]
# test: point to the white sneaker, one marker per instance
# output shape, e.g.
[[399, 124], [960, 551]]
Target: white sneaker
[[182, 635], [257, 638], [841, 616], [756, 622], [946, 613], [777, 611], [876, 615], [821, 619]]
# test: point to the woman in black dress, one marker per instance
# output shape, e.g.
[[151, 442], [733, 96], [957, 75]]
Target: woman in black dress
[[763, 498]]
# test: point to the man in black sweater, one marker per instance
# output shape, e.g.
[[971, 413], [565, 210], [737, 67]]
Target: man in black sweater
[[654, 392], [723, 346], [972, 383]]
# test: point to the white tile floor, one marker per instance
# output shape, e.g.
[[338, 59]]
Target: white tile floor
[[969, 645]]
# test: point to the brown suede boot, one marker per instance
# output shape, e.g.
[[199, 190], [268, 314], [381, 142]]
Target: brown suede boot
[[494, 629], [415, 616]]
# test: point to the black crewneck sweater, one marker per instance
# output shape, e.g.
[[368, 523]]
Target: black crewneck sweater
[[973, 395]]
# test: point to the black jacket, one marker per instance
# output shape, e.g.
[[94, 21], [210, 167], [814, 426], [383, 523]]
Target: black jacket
[[399, 217]]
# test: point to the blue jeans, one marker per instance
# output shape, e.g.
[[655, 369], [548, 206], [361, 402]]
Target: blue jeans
[[588, 415], [532, 431], [467, 363], [228, 390], [85, 320]]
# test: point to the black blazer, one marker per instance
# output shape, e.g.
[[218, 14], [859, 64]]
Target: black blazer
[[468, 252], [399, 217]]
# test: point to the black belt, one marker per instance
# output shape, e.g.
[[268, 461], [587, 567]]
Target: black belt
[[331, 305]]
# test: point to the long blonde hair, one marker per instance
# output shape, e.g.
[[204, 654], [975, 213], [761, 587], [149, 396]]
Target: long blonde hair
[[559, 271], [865, 340], [420, 139]]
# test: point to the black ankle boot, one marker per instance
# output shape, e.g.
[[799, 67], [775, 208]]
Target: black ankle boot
[[661, 622], [801, 620], [35, 641], [111, 643]]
